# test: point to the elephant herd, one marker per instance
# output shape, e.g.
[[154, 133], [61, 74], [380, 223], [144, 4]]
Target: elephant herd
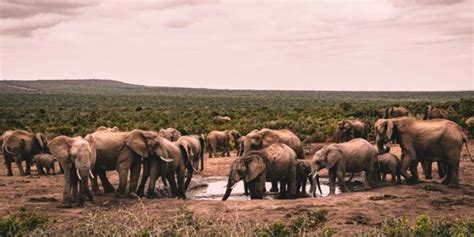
[[264, 155]]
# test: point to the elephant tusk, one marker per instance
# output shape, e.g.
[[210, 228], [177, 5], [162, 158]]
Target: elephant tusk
[[9, 152], [165, 159], [233, 186], [315, 174], [78, 174], [195, 170], [90, 173]]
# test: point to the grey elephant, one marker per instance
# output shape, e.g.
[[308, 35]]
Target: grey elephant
[[171, 134], [103, 128], [435, 113], [349, 129], [45, 162], [77, 156], [275, 163], [194, 146], [389, 163], [179, 163], [424, 140], [353, 156], [221, 119], [216, 139], [303, 172], [395, 112], [123, 152], [19, 146]]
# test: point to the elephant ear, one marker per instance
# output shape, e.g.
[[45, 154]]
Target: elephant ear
[[255, 167], [389, 129], [137, 142], [60, 148], [333, 155]]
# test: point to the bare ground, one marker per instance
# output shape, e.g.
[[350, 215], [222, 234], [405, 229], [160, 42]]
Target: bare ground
[[349, 213]]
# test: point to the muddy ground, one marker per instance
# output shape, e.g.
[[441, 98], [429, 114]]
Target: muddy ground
[[352, 212]]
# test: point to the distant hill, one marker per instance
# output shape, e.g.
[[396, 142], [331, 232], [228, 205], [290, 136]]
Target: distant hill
[[111, 87]]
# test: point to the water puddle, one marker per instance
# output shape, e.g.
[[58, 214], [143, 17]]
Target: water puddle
[[216, 186]]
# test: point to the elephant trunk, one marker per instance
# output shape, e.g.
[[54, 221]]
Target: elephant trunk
[[227, 193], [84, 178], [382, 149], [315, 184]]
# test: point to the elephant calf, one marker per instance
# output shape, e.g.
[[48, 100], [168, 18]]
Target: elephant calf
[[390, 164], [303, 170], [45, 161]]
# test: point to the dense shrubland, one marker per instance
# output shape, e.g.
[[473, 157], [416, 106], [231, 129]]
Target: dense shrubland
[[312, 115]]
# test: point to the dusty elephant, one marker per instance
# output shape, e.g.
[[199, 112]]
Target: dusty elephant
[[424, 140], [171, 134], [394, 112], [194, 146], [470, 122], [20, 145], [303, 172], [349, 129], [78, 157], [221, 119], [435, 113], [275, 163], [390, 164], [353, 156], [104, 128], [45, 162], [123, 152], [216, 139]]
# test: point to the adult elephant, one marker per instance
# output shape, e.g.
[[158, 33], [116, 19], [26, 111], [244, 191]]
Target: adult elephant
[[216, 139], [424, 140], [470, 122], [275, 163], [19, 146], [194, 146], [435, 113], [172, 134], [395, 112], [78, 157], [221, 119], [104, 128], [180, 162], [123, 152], [349, 129], [353, 156], [257, 140]]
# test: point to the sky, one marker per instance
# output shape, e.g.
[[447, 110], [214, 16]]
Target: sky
[[398, 45]]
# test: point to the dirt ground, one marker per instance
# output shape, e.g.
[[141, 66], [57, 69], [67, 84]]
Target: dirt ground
[[352, 212]]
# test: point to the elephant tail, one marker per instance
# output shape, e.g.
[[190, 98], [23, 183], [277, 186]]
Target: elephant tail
[[202, 141], [466, 143]]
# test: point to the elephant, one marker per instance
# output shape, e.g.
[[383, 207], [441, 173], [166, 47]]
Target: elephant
[[20, 145], [352, 128], [123, 152], [389, 163], [275, 163], [171, 134], [45, 161], [103, 128], [194, 146], [303, 171], [427, 168], [179, 163], [394, 112], [78, 157], [424, 140], [217, 139], [260, 139], [435, 113], [221, 119], [353, 156]]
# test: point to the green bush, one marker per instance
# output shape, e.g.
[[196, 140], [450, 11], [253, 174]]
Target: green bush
[[21, 223]]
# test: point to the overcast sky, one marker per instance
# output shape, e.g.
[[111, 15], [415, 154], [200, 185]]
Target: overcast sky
[[245, 44]]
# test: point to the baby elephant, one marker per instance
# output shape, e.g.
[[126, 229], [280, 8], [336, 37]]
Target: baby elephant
[[303, 171], [390, 164], [45, 161]]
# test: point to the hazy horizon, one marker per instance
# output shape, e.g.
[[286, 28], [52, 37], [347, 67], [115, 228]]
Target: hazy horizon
[[338, 45]]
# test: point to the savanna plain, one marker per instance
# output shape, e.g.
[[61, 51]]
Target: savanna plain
[[31, 205]]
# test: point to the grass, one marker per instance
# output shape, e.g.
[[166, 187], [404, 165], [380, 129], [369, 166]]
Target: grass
[[21, 223]]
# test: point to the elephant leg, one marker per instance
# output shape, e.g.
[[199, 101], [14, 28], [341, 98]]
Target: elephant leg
[[172, 181], [342, 183], [414, 171], [153, 177], [108, 188], [8, 164], [283, 186], [67, 200], [145, 175], [407, 160], [454, 171], [441, 169], [332, 183], [427, 167], [246, 188], [134, 176], [38, 168], [274, 188], [20, 167], [61, 170], [258, 187], [303, 184], [54, 171], [74, 187], [384, 177], [28, 167], [394, 178], [48, 171], [123, 175], [181, 176]]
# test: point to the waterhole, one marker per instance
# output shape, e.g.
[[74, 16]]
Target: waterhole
[[213, 188]]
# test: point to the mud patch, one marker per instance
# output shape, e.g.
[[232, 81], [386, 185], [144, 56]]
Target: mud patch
[[383, 197]]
